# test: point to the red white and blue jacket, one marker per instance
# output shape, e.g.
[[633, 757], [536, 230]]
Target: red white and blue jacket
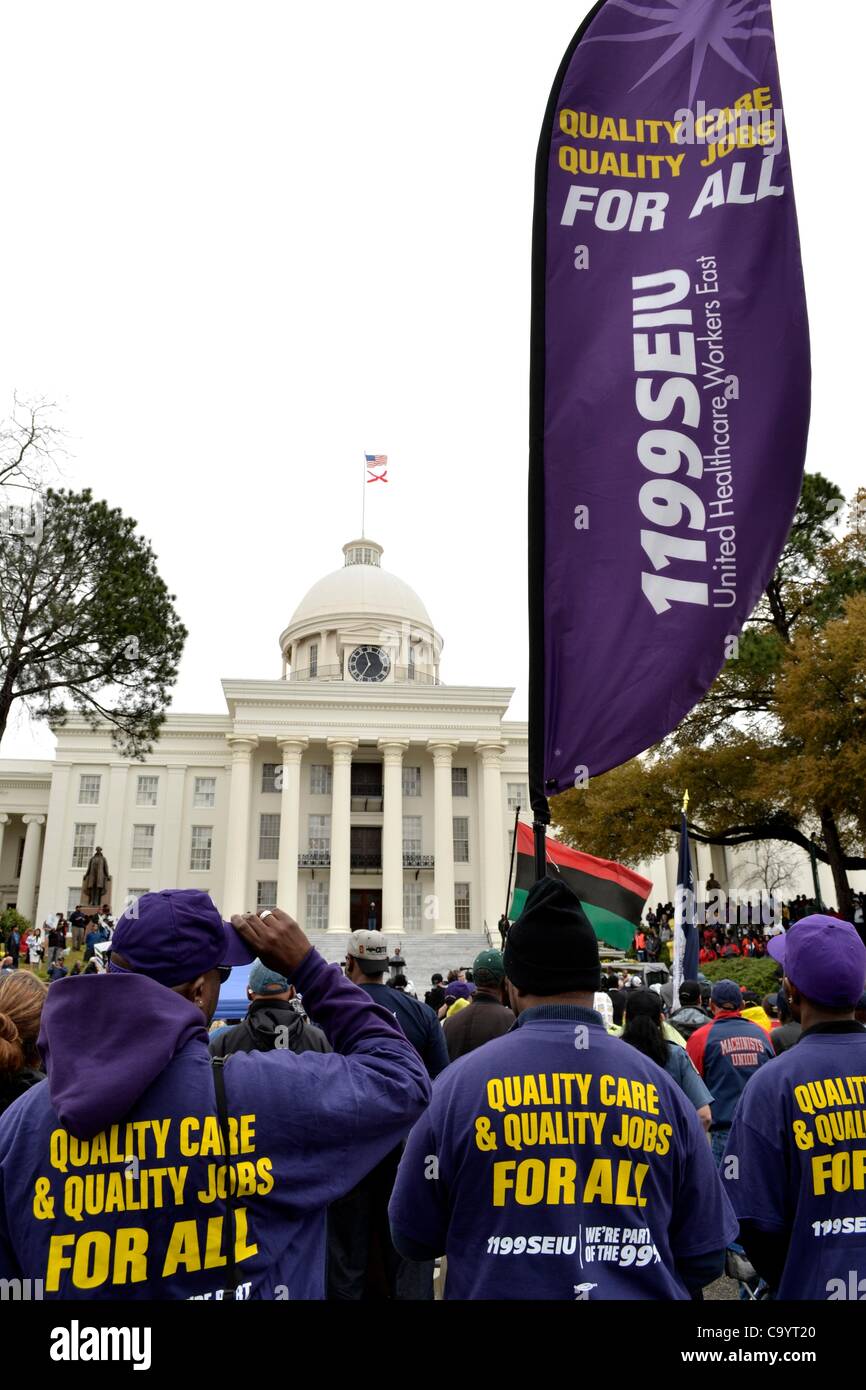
[[727, 1053]]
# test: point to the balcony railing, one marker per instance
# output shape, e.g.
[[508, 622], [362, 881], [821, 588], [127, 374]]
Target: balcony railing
[[363, 863], [334, 672], [366, 863], [367, 797], [320, 673], [413, 676]]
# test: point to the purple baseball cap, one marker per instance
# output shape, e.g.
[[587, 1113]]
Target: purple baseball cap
[[459, 989], [824, 958], [176, 935]]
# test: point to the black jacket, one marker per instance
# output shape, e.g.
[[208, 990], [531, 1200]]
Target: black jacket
[[689, 1019], [484, 1020], [11, 1087], [785, 1036], [258, 1031]]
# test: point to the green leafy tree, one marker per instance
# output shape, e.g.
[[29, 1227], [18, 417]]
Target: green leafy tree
[[758, 761], [86, 622]]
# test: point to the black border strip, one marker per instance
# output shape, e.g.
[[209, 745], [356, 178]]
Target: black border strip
[[537, 389]]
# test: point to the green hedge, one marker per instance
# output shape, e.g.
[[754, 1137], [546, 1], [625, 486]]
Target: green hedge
[[9, 919], [759, 973]]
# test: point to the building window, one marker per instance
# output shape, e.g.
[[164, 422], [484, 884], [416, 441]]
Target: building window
[[266, 894], [272, 778], [411, 834], [204, 793], [269, 836], [362, 555], [317, 905], [411, 781], [461, 906], [146, 792], [83, 840], [320, 832], [88, 789], [412, 905], [320, 779], [73, 899], [202, 845], [461, 839], [314, 659], [517, 795], [142, 846], [460, 781]]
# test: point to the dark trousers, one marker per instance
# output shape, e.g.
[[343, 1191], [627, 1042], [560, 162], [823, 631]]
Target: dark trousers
[[362, 1262]]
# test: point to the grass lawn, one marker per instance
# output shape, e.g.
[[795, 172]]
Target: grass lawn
[[69, 959]]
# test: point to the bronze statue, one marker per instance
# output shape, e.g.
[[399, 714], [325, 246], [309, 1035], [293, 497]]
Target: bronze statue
[[96, 879]]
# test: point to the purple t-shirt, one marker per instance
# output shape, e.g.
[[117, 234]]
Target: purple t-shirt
[[795, 1162], [557, 1162]]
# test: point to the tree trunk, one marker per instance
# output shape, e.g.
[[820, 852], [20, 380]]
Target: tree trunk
[[836, 857], [7, 700]]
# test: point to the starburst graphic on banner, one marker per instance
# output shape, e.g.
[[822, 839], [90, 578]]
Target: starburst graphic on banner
[[705, 25]]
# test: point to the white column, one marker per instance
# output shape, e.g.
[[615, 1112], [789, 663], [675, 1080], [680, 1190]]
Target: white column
[[170, 831], [290, 823], [339, 915], [493, 882], [719, 864], [443, 834], [26, 896], [392, 834], [671, 867], [115, 847], [4, 821], [53, 882], [238, 830]]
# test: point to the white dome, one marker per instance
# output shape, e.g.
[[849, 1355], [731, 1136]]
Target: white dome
[[360, 590]]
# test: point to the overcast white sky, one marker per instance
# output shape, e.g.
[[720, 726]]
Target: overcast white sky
[[242, 243]]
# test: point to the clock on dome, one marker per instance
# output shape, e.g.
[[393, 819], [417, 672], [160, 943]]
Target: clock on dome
[[369, 664]]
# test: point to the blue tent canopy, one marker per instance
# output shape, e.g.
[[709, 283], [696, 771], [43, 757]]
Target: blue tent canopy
[[233, 1002]]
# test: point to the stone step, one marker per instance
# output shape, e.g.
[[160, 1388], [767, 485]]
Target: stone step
[[423, 952]]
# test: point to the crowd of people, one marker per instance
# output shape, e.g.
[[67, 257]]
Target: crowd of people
[[51, 944], [537, 1127], [746, 935]]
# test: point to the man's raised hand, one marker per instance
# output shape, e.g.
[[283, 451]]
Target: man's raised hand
[[276, 939]]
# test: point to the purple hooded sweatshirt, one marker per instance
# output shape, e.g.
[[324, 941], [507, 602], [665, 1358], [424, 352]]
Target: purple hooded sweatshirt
[[112, 1177]]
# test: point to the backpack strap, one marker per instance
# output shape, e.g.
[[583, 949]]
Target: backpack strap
[[218, 1065]]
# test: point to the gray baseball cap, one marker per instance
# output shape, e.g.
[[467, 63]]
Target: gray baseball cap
[[370, 950]]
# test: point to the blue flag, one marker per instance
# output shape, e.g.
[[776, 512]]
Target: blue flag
[[685, 930]]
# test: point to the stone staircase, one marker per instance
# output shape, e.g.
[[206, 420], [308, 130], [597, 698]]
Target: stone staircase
[[424, 952]]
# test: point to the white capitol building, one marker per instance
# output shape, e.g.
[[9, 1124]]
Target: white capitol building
[[355, 790]]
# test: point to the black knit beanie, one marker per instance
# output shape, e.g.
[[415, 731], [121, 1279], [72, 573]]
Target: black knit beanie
[[552, 948]]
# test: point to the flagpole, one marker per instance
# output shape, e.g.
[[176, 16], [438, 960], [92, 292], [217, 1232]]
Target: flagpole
[[364, 497], [679, 917], [511, 865]]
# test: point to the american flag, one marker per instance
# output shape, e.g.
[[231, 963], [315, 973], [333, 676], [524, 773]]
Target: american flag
[[376, 466]]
